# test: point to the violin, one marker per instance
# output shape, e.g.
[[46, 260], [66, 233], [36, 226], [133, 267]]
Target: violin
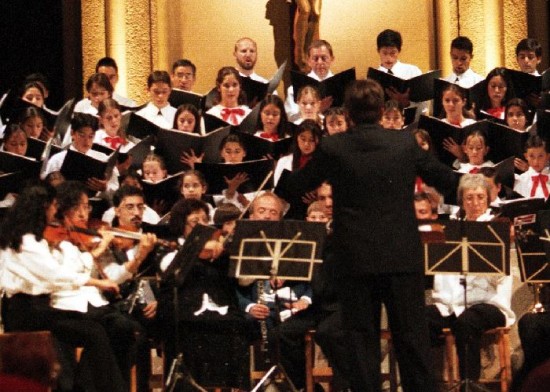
[[85, 239]]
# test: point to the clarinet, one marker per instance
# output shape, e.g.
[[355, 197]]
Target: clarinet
[[264, 343]]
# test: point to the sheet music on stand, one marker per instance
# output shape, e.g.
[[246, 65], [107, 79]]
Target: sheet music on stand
[[479, 248], [287, 249], [534, 252]]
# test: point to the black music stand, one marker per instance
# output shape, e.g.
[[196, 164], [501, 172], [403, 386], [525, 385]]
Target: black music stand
[[460, 247], [270, 250]]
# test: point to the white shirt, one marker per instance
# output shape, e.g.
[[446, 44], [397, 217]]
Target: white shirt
[[255, 76], [466, 79], [467, 167], [85, 106], [282, 164], [464, 123], [100, 136], [124, 101], [163, 118], [34, 270], [77, 299], [291, 107], [524, 183], [448, 293], [217, 111]]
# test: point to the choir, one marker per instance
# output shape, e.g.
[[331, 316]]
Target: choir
[[136, 280]]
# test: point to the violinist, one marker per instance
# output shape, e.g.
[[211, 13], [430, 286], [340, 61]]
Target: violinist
[[213, 333], [30, 274], [81, 255], [127, 258]]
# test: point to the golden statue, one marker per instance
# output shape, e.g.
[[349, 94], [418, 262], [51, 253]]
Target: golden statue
[[306, 29]]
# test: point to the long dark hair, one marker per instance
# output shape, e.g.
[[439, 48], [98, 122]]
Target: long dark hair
[[27, 215], [307, 125], [283, 127], [505, 75]]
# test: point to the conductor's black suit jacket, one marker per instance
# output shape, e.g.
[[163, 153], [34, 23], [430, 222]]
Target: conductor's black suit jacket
[[372, 172]]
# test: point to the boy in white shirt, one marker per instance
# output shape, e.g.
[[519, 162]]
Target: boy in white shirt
[[462, 52], [535, 181], [158, 110]]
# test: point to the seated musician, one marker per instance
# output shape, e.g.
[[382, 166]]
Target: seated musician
[[489, 297], [80, 253], [212, 332], [29, 275], [129, 258], [293, 321]]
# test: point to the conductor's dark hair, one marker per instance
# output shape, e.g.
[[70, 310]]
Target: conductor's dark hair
[[26, 216], [181, 211], [126, 191], [101, 80], [82, 120], [184, 63], [158, 77], [463, 43], [364, 101], [389, 38], [69, 194], [106, 62], [530, 45]]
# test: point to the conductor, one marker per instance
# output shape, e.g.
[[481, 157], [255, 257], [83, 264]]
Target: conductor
[[376, 245]]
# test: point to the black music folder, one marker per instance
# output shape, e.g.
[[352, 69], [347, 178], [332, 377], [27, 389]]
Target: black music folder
[[525, 84], [522, 212], [180, 97], [440, 130], [11, 183], [255, 90], [257, 171], [11, 111], [504, 141], [35, 148], [80, 167], [171, 144], [11, 163], [164, 191], [258, 147], [140, 127], [211, 122], [334, 86], [421, 86], [473, 94]]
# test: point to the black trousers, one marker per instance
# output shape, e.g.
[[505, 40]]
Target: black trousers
[[331, 337], [98, 369], [361, 298], [468, 329]]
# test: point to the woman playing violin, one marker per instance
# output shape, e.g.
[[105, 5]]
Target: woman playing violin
[[30, 274], [212, 330], [80, 256]]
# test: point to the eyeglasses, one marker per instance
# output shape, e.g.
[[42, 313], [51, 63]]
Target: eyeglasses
[[130, 207]]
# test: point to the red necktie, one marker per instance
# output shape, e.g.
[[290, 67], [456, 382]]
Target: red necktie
[[273, 137], [475, 170], [113, 141], [230, 115], [541, 180], [418, 184]]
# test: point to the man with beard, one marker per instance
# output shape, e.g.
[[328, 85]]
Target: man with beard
[[125, 262], [246, 55]]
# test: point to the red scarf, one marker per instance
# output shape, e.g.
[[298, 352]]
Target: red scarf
[[113, 141], [230, 115], [541, 180]]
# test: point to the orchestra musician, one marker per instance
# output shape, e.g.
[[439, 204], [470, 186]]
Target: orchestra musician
[[212, 333], [30, 272], [80, 254], [489, 297]]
